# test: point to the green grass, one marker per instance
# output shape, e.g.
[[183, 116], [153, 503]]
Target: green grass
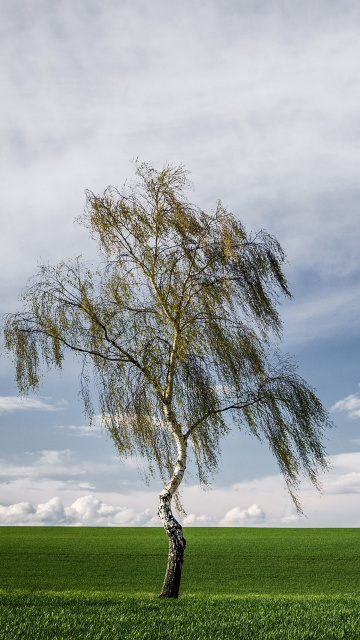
[[264, 618], [218, 561], [237, 583]]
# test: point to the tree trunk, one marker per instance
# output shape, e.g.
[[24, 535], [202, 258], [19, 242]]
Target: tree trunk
[[172, 527], [177, 545]]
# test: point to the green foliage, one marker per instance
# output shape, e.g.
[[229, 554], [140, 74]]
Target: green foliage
[[175, 327]]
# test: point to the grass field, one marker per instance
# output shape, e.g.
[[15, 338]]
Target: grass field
[[237, 583]]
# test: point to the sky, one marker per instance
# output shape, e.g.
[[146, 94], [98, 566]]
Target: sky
[[260, 100]]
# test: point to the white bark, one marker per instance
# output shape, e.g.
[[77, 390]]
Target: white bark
[[171, 525]]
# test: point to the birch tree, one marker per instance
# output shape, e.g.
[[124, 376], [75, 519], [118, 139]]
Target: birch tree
[[178, 329]]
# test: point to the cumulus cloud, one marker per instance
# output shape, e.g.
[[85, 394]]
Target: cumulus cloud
[[19, 513], [90, 510], [79, 503], [8, 404], [351, 404], [192, 520], [51, 512], [85, 511], [344, 476], [290, 515], [237, 517]]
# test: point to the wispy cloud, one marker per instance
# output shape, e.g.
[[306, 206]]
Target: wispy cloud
[[82, 431], [43, 464], [350, 404], [8, 404], [66, 471]]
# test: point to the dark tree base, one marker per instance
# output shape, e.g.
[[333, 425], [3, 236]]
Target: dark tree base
[[177, 544]]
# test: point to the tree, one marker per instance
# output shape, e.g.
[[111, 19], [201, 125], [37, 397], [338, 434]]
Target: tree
[[176, 328]]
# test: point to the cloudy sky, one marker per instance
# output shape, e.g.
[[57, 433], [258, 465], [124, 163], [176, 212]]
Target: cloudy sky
[[260, 99]]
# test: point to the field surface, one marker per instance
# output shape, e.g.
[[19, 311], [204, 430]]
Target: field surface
[[242, 583]]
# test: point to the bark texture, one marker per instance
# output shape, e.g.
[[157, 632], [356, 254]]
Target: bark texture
[[172, 527], [177, 545]]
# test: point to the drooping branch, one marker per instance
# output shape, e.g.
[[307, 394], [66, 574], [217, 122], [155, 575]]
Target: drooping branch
[[180, 317], [239, 406]]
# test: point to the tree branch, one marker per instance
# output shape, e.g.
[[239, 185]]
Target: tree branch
[[242, 405]]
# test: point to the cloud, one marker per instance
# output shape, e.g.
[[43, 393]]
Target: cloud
[[237, 517], [67, 471], [50, 458], [91, 510], [9, 404], [45, 464], [78, 502], [351, 404], [273, 114], [82, 431], [336, 505], [93, 430], [51, 512], [17, 513], [85, 511], [344, 476], [290, 516], [192, 520]]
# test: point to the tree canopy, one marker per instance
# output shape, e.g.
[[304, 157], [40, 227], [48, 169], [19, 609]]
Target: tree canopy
[[179, 328]]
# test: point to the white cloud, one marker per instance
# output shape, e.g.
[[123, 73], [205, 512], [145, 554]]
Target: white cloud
[[46, 463], [79, 503], [351, 404], [95, 429], [192, 520], [51, 512], [290, 515], [272, 117], [344, 476], [17, 513], [237, 517], [53, 458], [336, 505], [9, 404], [91, 510], [87, 510], [82, 431]]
